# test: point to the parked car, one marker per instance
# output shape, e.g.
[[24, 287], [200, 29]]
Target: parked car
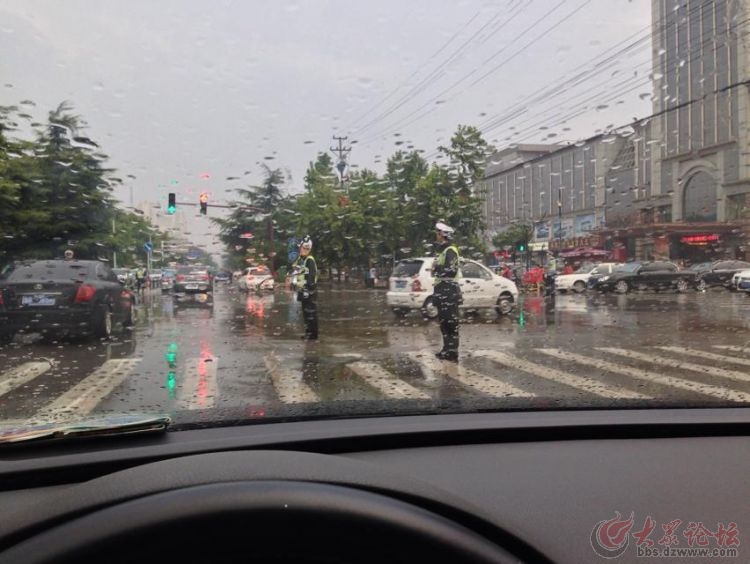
[[717, 273], [741, 281], [192, 280], [223, 276], [256, 279], [655, 275], [125, 275], [60, 297], [167, 279], [410, 287], [576, 282]]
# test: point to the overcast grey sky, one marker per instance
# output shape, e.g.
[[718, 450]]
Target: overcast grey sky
[[175, 89]]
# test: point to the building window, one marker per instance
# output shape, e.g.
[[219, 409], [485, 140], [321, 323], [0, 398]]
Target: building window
[[663, 214], [738, 207], [700, 198]]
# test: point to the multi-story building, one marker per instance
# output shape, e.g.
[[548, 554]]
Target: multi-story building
[[557, 189], [674, 185]]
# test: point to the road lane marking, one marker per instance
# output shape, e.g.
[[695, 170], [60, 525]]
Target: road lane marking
[[386, 383], [289, 385], [707, 355], [19, 375], [705, 389], [579, 382], [198, 389], [702, 368], [469, 378], [81, 399]]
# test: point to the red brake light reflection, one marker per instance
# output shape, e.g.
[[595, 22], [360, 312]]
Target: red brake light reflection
[[85, 293]]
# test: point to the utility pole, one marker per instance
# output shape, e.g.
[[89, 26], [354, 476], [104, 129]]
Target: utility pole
[[114, 253], [342, 153]]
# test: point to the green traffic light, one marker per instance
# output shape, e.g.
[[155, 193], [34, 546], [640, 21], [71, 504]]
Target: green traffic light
[[171, 355], [171, 383], [172, 203]]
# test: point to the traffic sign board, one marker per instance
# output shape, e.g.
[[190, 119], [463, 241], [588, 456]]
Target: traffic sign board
[[148, 247]]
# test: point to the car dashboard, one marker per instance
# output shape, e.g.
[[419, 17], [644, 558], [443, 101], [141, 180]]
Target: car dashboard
[[488, 487]]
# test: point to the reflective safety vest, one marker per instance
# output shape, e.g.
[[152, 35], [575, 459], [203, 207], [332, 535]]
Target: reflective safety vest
[[303, 270], [440, 261]]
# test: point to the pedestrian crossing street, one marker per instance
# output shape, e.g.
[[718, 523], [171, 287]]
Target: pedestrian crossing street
[[720, 372]]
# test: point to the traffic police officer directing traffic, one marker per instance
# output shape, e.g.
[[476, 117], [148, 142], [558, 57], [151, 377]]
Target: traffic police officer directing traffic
[[306, 282], [447, 293]]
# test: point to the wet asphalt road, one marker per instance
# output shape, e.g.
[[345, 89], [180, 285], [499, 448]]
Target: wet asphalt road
[[243, 356]]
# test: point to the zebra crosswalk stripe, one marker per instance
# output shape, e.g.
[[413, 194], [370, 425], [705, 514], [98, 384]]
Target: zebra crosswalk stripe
[[705, 389], [650, 358], [81, 399], [707, 355], [289, 386], [588, 385], [734, 348], [386, 383], [20, 375], [485, 384]]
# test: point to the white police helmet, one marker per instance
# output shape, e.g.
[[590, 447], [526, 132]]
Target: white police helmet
[[446, 230], [306, 243]]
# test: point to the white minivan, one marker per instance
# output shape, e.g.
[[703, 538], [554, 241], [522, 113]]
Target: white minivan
[[410, 288]]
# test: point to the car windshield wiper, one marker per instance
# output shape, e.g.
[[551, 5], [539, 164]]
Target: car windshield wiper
[[105, 425]]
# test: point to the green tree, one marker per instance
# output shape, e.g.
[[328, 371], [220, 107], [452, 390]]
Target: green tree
[[261, 211], [56, 189], [513, 234]]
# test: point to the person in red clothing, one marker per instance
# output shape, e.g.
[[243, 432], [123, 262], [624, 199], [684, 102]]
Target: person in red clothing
[[568, 268]]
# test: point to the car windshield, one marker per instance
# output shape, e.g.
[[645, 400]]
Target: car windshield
[[271, 211], [586, 268], [407, 269], [629, 267]]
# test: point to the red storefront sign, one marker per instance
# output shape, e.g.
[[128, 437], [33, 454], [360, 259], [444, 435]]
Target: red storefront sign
[[699, 239]]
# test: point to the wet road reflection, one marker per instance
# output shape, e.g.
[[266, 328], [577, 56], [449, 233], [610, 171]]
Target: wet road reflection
[[243, 352]]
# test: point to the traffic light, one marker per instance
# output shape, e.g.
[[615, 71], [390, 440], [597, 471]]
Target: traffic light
[[172, 204], [521, 246], [171, 355], [204, 202]]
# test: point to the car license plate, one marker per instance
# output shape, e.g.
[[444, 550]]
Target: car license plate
[[191, 286], [37, 300], [400, 284]]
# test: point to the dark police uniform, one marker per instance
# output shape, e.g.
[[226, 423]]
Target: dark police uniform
[[447, 294], [306, 283]]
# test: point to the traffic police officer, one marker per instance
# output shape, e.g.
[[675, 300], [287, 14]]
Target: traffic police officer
[[447, 293], [306, 282]]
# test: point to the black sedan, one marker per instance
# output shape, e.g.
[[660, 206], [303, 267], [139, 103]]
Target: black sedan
[[717, 273], [59, 297], [656, 275]]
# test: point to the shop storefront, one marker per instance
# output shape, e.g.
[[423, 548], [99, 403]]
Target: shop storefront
[[684, 243]]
